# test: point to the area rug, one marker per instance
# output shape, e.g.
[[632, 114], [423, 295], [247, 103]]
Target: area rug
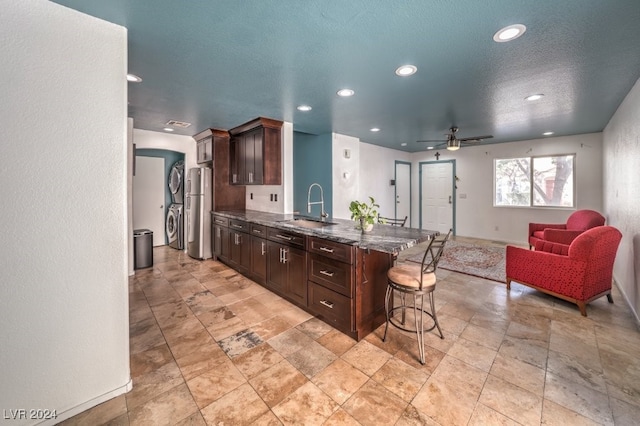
[[471, 259]]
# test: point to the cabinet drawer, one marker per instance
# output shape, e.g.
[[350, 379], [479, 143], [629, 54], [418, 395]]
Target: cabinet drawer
[[239, 225], [330, 273], [220, 220], [333, 307], [331, 249], [285, 237], [258, 230]]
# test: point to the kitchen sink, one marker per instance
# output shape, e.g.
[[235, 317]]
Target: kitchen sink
[[309, 223]]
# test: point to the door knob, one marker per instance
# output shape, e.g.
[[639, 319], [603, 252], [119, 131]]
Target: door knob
[[449, 199]]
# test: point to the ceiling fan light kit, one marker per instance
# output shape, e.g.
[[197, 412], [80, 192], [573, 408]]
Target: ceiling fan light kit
[[453, 143]]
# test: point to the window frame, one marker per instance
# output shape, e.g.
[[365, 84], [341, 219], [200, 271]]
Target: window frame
[[531, 204]]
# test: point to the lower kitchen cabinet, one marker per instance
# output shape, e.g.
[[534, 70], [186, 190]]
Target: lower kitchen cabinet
[[259, 258], [220, 241], [240, 249], [286, 273]]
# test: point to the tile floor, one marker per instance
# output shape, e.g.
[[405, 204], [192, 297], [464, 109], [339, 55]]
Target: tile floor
[[209, 346]]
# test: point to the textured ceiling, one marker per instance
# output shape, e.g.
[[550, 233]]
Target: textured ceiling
[[222, 63]]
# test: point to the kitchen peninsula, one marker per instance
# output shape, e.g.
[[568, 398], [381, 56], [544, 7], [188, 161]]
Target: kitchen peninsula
[[328, 268]]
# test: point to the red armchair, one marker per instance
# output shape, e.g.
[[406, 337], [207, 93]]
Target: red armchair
[[565, 233], [578, 273]]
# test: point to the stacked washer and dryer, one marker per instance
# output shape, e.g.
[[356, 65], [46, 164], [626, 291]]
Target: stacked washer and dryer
[[174, 224]]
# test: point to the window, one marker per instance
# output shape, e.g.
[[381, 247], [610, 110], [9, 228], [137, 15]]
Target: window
[[535, 181]]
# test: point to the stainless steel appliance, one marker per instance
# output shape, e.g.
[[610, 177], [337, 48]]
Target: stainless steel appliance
[[174, 227], [175, 182], [198, 210]]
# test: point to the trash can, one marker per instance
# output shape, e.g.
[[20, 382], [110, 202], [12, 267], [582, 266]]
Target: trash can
[[142, 248]]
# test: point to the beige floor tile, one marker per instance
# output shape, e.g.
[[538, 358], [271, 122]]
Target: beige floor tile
[[215, 316], [581, 399], [523, 350], [165, 409], [226, 328], [251, 311], [256, 360], [574, 347], [154, 383], [400, 378], [409, 355], [337, 342], [482, 336], [312, 359], [314, 328], [538, 336], [483, 415], [449, 396], [412, 417], [372, 405], [341, 418], [271, 327], [308, 405], [519, 373], [195, 419], [188, 287], [557, 415], [212, 384], [203, 301], [366, 357], [241, 406], [340, 380], [473, 354], [277, 382], [624, 413], [449, 324], [202, 358], [572, 369], [294, 315], [168, 314], [146, 336], [511, 401], [290, 341], [149, 360]]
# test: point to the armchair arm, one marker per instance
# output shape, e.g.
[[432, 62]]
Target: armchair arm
[[550, 271], [551, 247], [562, 236], [533, 227]]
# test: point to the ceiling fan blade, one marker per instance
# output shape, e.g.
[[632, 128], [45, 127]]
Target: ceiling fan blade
[[433, 140], [475, 138]]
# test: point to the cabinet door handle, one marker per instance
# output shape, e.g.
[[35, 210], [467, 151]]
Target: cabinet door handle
[[328, 250], [327, 304], [234, 178], [251, 177], [280, 255], [257, 231], [262, 248], [327, 273], [219, 232], [235, 225], [284, 237], [284, 255]]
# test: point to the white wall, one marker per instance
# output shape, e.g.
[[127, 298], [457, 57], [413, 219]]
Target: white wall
[[622, 192], [347, 173], [262, 193], [64, 293], [378, 166], [477, 217]]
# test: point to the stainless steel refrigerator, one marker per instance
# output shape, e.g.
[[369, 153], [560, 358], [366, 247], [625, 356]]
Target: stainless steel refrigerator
[[198, 210]]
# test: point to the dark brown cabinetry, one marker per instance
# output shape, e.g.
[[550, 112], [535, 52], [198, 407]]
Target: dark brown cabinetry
[[259, 252], [220, 237], [239, 244], [255, 153], [204, 150], [286, 264]]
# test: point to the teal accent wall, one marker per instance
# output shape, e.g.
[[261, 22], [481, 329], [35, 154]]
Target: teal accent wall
[[312, 163], [170, 157]]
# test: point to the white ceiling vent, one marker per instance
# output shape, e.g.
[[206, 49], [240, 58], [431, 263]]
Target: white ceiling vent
[[176, 123]]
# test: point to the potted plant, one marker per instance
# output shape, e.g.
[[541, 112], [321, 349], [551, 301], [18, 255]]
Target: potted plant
[[365, 214]]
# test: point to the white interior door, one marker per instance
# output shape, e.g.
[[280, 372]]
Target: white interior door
[[148, 197], [403, 191], [436, 196]]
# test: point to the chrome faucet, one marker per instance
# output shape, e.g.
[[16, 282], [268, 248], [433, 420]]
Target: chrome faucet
[[323, 214]]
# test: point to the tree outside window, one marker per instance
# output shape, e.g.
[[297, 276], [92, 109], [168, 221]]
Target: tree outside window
[[535, 181]]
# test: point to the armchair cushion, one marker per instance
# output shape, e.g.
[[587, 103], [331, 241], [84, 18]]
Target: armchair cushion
[[564, 233], [579, 272]]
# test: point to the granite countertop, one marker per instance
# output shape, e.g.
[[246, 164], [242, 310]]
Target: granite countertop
[[384, 238]]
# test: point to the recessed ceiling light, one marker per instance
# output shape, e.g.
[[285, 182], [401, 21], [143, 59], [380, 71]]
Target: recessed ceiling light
[[304, 108], [534, 97], [374, 129], [168, 129], [509, 33], [345, 92], [133, 78], [547, 133], [403, 144], [406, 70], [429, 147]]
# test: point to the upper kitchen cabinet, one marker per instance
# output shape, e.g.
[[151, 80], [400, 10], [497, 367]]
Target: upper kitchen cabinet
[[204, 146], [256, 156]]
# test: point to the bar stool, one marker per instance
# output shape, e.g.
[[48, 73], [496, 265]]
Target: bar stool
[[417, 281], [393, 221]]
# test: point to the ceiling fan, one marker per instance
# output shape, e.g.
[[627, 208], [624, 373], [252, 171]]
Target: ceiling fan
[[453, 143]]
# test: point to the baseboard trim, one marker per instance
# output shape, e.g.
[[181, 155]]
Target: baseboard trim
[[89, 404], [627, 301]]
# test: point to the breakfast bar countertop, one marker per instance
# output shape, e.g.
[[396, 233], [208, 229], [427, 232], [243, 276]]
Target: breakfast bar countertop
[[383, 238]]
